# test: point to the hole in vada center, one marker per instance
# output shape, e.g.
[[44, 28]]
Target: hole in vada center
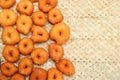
[[38, 56], [47, 4], [54, 77], [40, 17], [54, 15], [7, 68], [66, 65], [23, 23], [26, 66], [11, 54], [40, 34], [60, 33], [25, 7], [9, 34], [25, 45], [8, 17], [56, 50]]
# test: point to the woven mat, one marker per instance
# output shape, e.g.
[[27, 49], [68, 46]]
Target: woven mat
[[94, 45]]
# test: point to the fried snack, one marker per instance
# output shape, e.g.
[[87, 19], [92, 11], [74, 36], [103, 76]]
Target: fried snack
[[7, 3], [25, 46], [39, 56], [47, 5], [11, 53], [10, 35], [39, 34], [60, 33], [25, 7], [38, 74], [56, 52], [39, 18], [24, 24], [3, 77], [17, 76], [66, 67], [54, 74], [8, 69], [7, 17], [55, 16], [25, 66]]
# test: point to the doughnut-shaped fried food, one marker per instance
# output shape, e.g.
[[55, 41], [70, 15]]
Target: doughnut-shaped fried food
[[66, 67], [60, 33], [39, 34], [10, 35], [11, 53]]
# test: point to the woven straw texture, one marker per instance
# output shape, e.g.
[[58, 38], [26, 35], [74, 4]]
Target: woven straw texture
[[94, 45]]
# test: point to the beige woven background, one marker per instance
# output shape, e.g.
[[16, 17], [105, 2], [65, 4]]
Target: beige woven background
[[94, 45]]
